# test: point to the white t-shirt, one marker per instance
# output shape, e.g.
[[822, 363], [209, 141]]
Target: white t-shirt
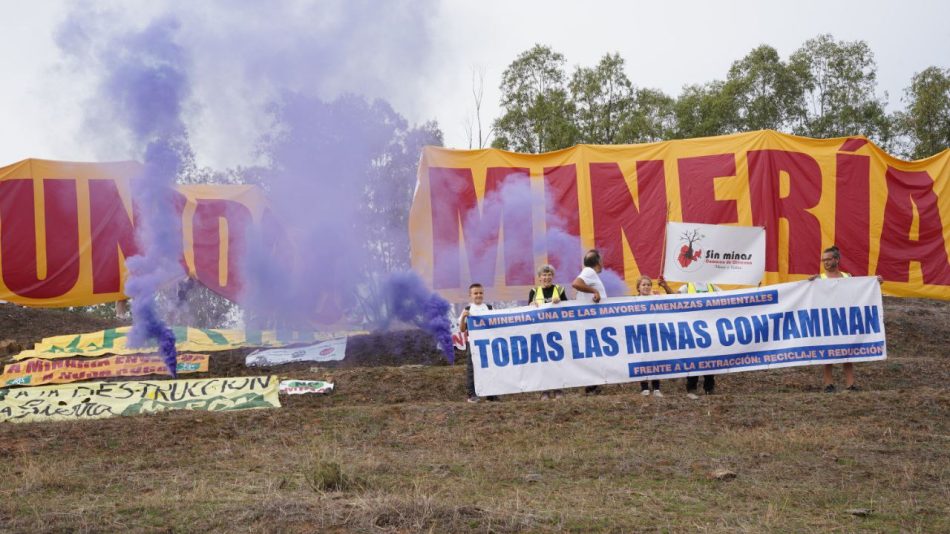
[[591, 278], [475, 309]]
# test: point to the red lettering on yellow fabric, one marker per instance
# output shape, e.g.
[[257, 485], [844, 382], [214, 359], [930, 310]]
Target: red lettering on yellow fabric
[[616, 215], [18, 238], [562, 218], [853, 212], [698, 191], [454, 205], [765, 168], [112, 231], [905, 190], [207, 242]]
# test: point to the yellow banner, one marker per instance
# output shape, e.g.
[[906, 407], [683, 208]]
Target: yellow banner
[[66, 229], [187, 339], [36, 372], [98, 400], [493, 217]]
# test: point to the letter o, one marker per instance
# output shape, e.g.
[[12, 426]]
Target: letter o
[[499, 352], [743, 330]]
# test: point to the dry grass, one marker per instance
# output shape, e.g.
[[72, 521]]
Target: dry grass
[[395, 450]]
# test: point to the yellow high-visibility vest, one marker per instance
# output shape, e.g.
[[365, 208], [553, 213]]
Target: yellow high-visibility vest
[[691, 288], [539, 293]]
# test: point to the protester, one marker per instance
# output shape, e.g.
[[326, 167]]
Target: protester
[[547, 292], [588, 284], [709, 381], [590, 289], [645, 289], [476, 294], [830, 260]]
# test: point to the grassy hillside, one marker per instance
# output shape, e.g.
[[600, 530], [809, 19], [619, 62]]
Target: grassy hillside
[[396, 450]]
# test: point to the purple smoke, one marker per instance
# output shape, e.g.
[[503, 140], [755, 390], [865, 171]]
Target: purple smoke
[[409, 300], [143, 86], [295, 94]]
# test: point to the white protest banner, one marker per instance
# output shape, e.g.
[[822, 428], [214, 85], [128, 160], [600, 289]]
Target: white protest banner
[[714, 253], [297, 387], [667, 336], [326, 351]]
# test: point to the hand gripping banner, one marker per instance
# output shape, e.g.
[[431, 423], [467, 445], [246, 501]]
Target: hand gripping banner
[[494, 217], [668, 336]]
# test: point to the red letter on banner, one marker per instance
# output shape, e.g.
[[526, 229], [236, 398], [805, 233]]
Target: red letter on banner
[[616, 215], [207, 243], [906, 189], [804, 175], [18, 238], [563, 220], [698, 191], [853, 212], [112, 231], [453, 201]]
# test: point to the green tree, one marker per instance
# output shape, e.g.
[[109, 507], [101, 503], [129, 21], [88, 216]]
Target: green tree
[[839, 79], [704, 110], [766, 92], [538, 115], [652, 117], [603, 98], [925, 122]]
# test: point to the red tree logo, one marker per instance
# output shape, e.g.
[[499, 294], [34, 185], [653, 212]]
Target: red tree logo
[[688, 253]]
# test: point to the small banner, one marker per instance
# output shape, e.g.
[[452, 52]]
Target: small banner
[[326, 351], [297, 387], [714, 253], [187, 339], [659, 337], [98, 400], [36, 372]]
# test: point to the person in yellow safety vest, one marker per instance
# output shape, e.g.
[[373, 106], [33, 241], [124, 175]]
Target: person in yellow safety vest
[[709, 381], [830, 260], [547, 292]]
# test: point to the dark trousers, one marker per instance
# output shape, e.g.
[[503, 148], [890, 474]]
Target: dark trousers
[[645, 385], [709, 383]]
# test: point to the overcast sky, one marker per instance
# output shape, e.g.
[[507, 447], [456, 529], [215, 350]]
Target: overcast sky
[[665, 44]]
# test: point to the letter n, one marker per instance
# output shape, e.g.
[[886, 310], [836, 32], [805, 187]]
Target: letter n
[[617, 216]]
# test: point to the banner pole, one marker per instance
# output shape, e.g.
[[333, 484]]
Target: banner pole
[[663, 252]]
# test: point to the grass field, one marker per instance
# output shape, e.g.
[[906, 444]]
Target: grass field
[[396, 450]]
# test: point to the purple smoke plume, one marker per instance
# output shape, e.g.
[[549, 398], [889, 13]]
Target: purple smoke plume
[[143, 86], [295, 95], [409, 300]]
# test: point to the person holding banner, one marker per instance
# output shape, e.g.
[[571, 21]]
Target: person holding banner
[[590, 289], [645, 289], [477, 306], [830, 261], [709, 381], [547, 292]]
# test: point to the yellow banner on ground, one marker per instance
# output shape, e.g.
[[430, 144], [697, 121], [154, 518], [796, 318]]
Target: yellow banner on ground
[[187, 339], [494, 217], [36, 371], [66, 229], [98, 400]]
